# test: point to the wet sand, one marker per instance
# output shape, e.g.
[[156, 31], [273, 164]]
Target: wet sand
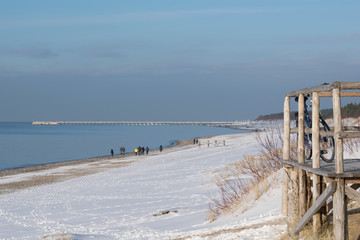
[[62, 171]]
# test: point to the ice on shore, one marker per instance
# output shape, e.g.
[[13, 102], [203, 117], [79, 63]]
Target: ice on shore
[[163, 196]]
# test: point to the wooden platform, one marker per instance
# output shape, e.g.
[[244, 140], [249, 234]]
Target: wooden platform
[[351, 168]]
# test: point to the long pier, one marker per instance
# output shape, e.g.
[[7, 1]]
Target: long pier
[[201, 123]]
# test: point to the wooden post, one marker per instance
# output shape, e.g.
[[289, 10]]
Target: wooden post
[[325, 209], [316, 157], [340, 206], [293, 184], [302, 192], [286, 146], [339, 164], [315, 131], [340, 211], [301, 156], [293, 196], [301, 137], [286, 155]]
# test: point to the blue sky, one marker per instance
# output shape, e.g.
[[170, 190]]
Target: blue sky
[[169, 60]]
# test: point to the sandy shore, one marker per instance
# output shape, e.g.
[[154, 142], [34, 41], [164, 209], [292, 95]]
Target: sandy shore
[[56, 172]]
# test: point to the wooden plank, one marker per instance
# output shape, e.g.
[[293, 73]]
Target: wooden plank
[[352, 180], [310, 169], [325, 88], [309, 131], [328, 133], [342, 135], [327, 170], [342, 94], [352, 193], [347, 175], [321, 88], [349, 85], [314, 208]]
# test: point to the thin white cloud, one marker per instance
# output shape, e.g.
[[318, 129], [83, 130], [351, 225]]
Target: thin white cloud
[[114, 49], [30, 52], [47, 21], [321, 39]]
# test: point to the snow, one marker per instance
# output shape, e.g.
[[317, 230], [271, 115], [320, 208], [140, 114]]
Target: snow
[[162, 196]]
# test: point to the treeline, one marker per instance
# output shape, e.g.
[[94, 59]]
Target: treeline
[[274, 116], [349, 110]]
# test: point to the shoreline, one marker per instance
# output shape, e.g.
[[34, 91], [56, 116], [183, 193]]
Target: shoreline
[[16, 160], [17, 179], [46, 166], [49, 173]]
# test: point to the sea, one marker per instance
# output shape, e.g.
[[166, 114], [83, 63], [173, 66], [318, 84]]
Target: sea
[[23, 144]]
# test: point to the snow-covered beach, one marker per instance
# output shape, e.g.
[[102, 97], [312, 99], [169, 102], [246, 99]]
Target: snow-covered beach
[[160, 196]]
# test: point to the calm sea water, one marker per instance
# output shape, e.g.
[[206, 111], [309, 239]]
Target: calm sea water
[[24, 144]]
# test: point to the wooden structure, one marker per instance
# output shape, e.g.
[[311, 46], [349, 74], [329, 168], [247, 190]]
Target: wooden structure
[[303, 202]]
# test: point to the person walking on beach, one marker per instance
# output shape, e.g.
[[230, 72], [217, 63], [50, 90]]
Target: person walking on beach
[[147, 150], [161, 148], [122, 150], [112, 152], [136, 151]]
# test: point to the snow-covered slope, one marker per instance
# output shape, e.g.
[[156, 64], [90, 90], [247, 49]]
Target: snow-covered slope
[[162, 196]]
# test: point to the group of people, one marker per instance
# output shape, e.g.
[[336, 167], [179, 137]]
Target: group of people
[[138, 151], [141, 150]]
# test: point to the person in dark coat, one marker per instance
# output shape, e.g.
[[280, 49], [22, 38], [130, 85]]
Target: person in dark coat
[[122, 150], [147, 150], [112, 152], [161, 148]]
